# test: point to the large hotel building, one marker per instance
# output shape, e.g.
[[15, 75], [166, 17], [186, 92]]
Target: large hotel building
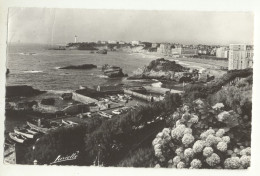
[[240, 56]]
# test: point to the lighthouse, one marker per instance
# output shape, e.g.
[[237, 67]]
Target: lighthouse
[[75, 39]]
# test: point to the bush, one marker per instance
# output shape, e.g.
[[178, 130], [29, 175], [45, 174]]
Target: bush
[[63, 141], [140, 158], [199, 139]]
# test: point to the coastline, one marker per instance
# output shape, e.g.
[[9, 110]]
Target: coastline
[[199, 63]]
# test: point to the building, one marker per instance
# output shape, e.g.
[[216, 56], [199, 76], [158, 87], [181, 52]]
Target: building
[[155, 45], [165, 48], [134, 43], [222, 52], [189, 51], [103, 42], [121, 42], [176, 51], [112, 42], [240, 56]]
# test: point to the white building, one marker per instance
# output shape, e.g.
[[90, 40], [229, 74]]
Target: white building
[[155, 45], [112, 42], [222, 52], [165, 48], [135, 42], [240, 56]]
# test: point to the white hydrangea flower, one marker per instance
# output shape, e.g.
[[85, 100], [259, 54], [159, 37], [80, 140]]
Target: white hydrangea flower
[[205, 134], [212, 140], [198, 146], [220, 133], [195, 164], [159, 135], [181, 165], [222, 146], [176, 160], [226, 139], [207, 151], [213, 159], [246, 151], [166, 131], [232, 163], [179, 150], [245, 161], [187, 139], [188, 153], [188, 131], [194, 119]]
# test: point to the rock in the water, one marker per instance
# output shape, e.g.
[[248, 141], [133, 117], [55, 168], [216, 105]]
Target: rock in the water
[[102, 51], [84, 66], [164, 70], [112, 71], [48, 101]]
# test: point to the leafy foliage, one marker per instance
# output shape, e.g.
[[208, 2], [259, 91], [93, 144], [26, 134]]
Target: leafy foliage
[[140, 158], [116, 136], [198, 90]]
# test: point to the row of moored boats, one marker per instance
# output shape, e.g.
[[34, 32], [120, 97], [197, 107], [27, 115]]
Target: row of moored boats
[[33, 130]]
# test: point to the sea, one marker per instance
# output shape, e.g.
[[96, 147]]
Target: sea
[[37, 66]]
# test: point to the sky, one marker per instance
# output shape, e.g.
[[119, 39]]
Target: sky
[[43, 25]]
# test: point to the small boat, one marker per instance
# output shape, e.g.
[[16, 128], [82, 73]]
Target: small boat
[[40, 128], [32, 131], [23, 132], [117, 111], [105, 114], [18, 138], [68, 122], [65, 122], [82, 87]]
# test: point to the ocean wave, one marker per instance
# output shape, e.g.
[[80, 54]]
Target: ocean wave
[[57, 68], [32, 71], [182, 63], [27, 53], [102, 76], [139, 80]]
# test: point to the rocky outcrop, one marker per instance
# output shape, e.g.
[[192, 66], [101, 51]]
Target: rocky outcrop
[[66, 96], [103, 51], [163, 70], [21, 91], [81, 67], [113, 71], [48, 101]]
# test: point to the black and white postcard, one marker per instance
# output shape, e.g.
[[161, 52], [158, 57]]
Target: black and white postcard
[[128, 88]]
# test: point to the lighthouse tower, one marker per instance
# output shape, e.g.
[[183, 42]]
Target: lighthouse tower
[[75, 39]]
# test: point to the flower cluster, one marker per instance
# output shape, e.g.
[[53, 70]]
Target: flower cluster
[[189, 144], [240, 158], [162, 144]]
